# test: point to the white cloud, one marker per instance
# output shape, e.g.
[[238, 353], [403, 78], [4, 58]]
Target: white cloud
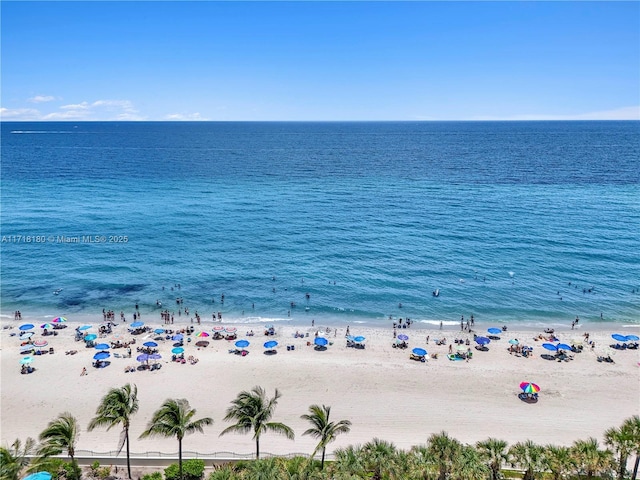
[[19, 113], [41, 99], [623, 113], [99, 110], [189, 117]]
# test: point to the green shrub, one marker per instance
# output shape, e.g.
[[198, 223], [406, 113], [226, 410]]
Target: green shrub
[[192, 469], [152, 476], [99, 472]]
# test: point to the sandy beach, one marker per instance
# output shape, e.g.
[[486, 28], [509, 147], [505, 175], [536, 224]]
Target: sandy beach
[[378, 388]]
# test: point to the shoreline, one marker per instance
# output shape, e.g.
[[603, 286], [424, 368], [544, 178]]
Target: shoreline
[[379, 388]]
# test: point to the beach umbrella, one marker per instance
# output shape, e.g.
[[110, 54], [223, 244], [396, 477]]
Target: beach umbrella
[[359, 339], [202, 335], [137, 324], [270, 344], [26, 326], [403, 337], [242, 343], [230, 329], [26, 360], [494, 331], [321, 341], [268, 326], [155, 356], [514, 341], [40, 343], [528, 387], [419, 351], [26, 336], [91, 337], [563, 346], [632, 338], [150, 344], [102, 346], [462, 348], [38, 476], [84, 327], [177, 350], [550, 346], [47, 326], [158, 331], [178, 337], [101, 355], [218, 328], [59, 320], [619, 338], [143, 358], [482, 340]]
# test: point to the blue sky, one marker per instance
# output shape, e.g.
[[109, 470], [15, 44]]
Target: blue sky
[[320, 60]]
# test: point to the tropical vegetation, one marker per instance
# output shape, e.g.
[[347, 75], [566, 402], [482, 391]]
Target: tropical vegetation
[[441, 457]]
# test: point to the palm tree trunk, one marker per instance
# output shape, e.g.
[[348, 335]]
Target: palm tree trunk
[[180, 457], [623, 467], [126, 439], [257, 448], [322, 461], [635, 468]]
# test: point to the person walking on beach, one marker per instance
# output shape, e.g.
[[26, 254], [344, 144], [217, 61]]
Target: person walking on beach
[[84, 371]]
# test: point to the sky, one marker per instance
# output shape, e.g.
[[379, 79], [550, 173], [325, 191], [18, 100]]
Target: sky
[[319, 61]]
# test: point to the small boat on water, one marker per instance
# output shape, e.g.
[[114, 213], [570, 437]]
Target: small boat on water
[[436, 292]]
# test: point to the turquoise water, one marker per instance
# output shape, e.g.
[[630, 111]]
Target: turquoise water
[[534, 222]]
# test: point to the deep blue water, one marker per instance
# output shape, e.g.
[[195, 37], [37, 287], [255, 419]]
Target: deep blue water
[[499, 216]]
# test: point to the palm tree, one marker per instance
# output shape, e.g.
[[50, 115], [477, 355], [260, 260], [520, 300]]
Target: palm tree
[[252, 412], [61, 434], [349, 461], [13, 460], [590, 459], [494, 452], [529, 456], [323, 429], [379, 456], [115, 408], [621, 440], [174, 419], [632, 424], [444, 450], [559, 460], [469, 466], [424, 466]]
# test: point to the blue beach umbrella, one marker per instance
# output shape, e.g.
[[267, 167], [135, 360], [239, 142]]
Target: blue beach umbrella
[[563, 346], [38, 476], [550, 346], [514, 341], [137, 324], [47, 326], [618, 337], [419, 351], [102, 346], [143, 358], [150, 344], [403, 337], [632, 338], [26, 336], [321, 341], [155, 356], [359, 339], [101, 355], [90, 337], [494, 331], [178, 337], [158, 331], [84, 327], [242, 343], [270, 344], [482, 340], [26, 326], [26, 360], [177, 350]]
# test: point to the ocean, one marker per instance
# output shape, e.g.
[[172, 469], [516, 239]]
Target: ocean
[[353, 222]]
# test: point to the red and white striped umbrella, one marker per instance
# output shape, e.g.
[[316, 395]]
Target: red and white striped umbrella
[[230, 329], [40, 343], [218, 328]]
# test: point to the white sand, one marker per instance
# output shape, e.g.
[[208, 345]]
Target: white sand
[[379, 389]]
